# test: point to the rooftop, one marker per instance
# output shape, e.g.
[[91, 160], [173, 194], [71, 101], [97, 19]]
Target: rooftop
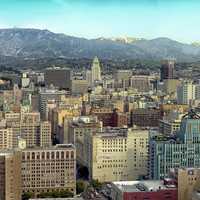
[[113, 132], [56, 147], [142, 186]]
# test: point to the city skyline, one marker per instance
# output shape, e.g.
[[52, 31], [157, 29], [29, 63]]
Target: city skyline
[[91, 19]]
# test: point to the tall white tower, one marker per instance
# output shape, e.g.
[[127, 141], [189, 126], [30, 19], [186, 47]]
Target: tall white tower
[[96, 70]]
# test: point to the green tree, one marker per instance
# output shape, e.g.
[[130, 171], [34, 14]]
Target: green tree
[[96, 184], [27, 196], [55, 194], [80, 186]]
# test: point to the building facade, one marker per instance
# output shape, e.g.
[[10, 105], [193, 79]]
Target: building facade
[[10, 175], [176, 152], [49, 169]]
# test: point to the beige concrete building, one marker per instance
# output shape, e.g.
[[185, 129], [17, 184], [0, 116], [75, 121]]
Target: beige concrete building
[[45, 134], [6, 138], [78, 131], [10, 175], [79, 86], [49, 169], [13, 122], [188, 181], [117, 154], [35, 131], [169, 127], [170, 86]]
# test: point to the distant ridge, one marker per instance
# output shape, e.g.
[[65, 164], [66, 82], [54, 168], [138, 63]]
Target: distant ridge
[[35, 43]]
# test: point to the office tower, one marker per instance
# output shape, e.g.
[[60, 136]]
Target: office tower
[[108, 154], [88, 77], [79, 87], [171, 125], [78, 128], [25, 80], [49, 169], [45, 134], [96, 70], [167, 70], [176, 152], [29, 127], [13, 122], [10, 175], [49, 94], [58, 77], [170, 86], [140, 83], [6, 138], [122, 78], [61, 115], [145, 117], [186, 93], [34, 131]]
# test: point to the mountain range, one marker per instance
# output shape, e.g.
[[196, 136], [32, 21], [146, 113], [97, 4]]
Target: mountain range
[[35, 43]]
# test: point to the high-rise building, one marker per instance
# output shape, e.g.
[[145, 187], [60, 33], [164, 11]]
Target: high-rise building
[[79, 86], [6, 138], [49, 169], [58, 77], [49, 94], [78, 129], [176, 152], [141, 83], [45, 134], [167, 69], [10, 175], [145, 117], [186, 93], [96, 70], [109, 152]]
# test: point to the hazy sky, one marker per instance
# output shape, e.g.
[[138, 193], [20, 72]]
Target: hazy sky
[[177, 19]]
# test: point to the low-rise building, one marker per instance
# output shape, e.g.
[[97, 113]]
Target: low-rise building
[[140, 190]]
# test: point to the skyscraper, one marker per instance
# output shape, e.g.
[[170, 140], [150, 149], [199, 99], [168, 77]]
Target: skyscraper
[[96, 70], [167, 69]]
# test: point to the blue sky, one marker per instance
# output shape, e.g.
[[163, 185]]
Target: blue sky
[[177, 19]]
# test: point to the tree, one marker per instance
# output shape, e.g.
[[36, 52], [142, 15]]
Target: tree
[[27, 196], [96, 184], [55, 194], [80, 186]]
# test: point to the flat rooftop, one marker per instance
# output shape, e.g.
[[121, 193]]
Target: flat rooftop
[[142, 186], [75, 198]]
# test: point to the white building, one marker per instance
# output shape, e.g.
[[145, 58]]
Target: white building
[[186, 93], [96, 70]]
